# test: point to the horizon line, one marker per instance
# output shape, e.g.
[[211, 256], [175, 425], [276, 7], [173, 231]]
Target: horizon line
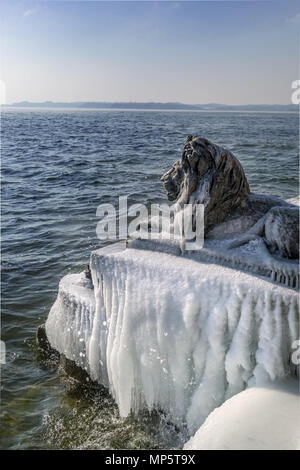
[[178, 103]]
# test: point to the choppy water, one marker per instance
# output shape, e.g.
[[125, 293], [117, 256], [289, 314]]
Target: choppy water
[[57, 167]]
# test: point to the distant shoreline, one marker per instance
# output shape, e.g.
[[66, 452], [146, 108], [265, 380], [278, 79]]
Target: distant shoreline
[[152, 106]]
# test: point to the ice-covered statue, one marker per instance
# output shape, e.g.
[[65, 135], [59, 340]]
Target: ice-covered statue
[[184, 331], [211, 175]]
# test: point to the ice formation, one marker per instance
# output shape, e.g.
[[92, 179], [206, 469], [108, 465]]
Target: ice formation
[[71, 317], [260, 418], [168, 332], [251, 256]]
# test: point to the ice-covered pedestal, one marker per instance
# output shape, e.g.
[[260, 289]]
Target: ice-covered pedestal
[[181, 335]]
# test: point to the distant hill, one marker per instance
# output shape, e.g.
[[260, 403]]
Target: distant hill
[[153, 105]]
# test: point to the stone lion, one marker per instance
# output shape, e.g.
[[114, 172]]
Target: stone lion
[[209, 174]]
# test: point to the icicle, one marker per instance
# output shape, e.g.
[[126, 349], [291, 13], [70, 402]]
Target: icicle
[[287, 280]]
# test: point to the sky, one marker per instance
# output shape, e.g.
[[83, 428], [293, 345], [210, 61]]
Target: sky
[[230, 52]]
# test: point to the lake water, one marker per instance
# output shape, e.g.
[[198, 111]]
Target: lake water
[[57, 167]]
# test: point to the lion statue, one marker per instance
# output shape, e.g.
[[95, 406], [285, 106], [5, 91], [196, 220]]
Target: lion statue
[[211, 175]]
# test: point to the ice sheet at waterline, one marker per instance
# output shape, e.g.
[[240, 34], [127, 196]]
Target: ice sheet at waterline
[[167, 332]]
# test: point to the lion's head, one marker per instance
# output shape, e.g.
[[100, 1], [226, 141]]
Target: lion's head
[[207, 174]]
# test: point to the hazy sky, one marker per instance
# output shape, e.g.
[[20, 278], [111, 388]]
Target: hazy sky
[[233, 52]]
